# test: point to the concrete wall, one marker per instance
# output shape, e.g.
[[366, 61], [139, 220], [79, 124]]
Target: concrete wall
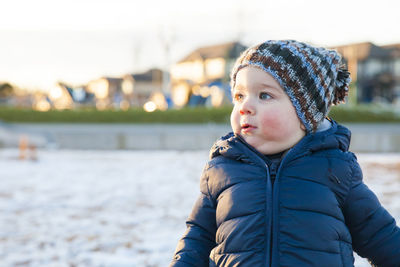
[[365, 137]]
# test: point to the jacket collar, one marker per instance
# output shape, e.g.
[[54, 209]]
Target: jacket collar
[[234, 147]]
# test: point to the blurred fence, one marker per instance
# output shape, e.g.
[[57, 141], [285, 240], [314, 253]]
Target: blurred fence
[[365, 137]]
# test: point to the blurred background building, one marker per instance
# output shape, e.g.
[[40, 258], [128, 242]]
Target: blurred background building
[[375, 71], [201, 78]]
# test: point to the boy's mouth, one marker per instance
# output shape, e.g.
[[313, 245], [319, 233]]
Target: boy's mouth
[[247, 128]]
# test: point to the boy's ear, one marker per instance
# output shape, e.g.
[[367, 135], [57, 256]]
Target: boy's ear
[[302, 127]]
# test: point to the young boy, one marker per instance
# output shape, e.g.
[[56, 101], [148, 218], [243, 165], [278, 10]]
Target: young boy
[[283, 189]]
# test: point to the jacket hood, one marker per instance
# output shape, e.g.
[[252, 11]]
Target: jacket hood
[[235, 147]]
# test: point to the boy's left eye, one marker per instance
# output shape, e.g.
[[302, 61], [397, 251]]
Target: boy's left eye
[[264, 96]]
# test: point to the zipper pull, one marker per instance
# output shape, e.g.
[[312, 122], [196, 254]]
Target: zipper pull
[[272, 170]]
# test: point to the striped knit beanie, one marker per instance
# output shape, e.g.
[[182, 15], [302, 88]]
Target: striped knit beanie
[[312, 77]]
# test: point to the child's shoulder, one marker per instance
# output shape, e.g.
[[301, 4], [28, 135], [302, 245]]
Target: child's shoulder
[[222, 166], [335, 153], [339, 166]]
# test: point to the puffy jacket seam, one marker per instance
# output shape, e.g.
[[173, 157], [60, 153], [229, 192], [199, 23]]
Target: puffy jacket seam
[[351, 184], [328, 157], [239, 251], [240, 216], [191, 238], [308, 180], [248, 178], [222, 189], [384, 226], [341, 253], [344, 241], [341, 158], [314, 211], [220, 160], [215, 162], [223, 160], [318, 250], [337, 153], [208, 193]]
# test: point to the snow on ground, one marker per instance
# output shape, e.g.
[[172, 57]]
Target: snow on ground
[[118, 208]]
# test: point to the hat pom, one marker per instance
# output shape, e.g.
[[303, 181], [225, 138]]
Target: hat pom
[[342, 86]]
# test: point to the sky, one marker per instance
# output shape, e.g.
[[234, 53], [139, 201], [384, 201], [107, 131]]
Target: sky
[[75, 41]]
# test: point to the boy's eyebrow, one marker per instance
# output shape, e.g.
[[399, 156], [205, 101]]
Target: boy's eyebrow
[[239, 87], [272, 87]]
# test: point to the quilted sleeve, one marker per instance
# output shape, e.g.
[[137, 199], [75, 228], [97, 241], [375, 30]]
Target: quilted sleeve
[[199, 239], [373, 230]]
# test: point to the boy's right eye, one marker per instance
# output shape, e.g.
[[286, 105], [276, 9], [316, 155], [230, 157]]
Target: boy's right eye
[[238, 97]]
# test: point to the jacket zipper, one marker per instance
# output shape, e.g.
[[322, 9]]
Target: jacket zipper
[[272, 178], [268, 217], [275, 170], [270, 188], [270, 208]]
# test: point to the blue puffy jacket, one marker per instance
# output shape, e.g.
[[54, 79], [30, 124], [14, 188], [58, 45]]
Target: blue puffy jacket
[[315, 213]]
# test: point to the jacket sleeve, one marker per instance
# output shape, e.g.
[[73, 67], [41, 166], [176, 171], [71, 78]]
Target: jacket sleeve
[[199, 239], [373, 230]]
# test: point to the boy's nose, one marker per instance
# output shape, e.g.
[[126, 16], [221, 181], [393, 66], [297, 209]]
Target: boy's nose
[[247, 108]]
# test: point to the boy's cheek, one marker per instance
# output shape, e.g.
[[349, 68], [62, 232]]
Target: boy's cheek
[[235, 120], [275, 125]]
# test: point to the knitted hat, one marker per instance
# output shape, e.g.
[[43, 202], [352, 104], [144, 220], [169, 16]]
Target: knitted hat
[[312, 77]]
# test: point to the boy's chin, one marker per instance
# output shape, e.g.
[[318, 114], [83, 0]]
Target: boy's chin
[[269, 148]]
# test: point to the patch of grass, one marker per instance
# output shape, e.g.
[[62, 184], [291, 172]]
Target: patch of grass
[[187, 115], [364, 114]]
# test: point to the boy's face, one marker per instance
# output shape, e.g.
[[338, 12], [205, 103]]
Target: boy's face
[[263, 113]]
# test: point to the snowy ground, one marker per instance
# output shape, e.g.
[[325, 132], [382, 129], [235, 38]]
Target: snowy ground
[[118, 208]]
